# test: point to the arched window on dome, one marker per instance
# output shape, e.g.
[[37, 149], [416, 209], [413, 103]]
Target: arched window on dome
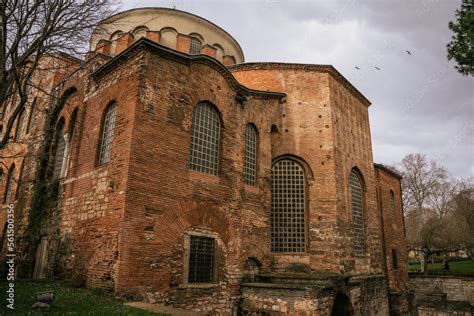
[[288, 207], [205, 139], [250, 157], [357, 205], [195, 47]]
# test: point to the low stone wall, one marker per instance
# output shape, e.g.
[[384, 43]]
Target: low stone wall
[[455, 288], [316, 296]]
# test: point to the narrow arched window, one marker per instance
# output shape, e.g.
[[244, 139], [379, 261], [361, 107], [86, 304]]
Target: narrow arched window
[[60, 143], [195, 47], [19, 125], [108, 128], [288, 207], [205, 139], [392, 204], [357, 202], [250, 162], [8, 184]]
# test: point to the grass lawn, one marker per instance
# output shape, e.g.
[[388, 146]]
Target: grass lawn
[[455, 266], [67, 301]]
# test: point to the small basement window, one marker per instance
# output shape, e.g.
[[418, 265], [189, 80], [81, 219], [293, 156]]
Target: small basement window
[[201, 259]]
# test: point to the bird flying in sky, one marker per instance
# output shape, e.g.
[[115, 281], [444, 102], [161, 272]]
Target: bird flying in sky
[[377, 68], [357, 68], [408, 52]]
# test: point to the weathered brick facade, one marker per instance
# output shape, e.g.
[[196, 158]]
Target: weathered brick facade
[[126, 225]]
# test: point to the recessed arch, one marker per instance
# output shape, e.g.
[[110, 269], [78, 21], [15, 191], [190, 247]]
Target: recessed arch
[[115, 35], [219, 51], [342, 306], [140, 31], [356, 186], [168, 37], [8, 184]]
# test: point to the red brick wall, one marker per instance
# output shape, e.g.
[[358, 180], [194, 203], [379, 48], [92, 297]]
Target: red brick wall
[[165, 199], [393, 228], [323, 123]]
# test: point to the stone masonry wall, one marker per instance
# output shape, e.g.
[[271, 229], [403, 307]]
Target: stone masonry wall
[[455, 288], [91, 209]]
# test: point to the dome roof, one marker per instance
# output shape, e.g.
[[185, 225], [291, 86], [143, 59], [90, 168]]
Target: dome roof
[[167, 21]]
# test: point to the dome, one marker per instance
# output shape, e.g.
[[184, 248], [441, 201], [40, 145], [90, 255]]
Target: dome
[[175, 29]]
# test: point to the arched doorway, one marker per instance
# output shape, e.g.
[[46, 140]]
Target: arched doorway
[[342, 306]]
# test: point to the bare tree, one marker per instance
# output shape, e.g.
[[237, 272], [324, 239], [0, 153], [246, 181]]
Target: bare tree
[[420, 178], [33, 29], [463, 218]]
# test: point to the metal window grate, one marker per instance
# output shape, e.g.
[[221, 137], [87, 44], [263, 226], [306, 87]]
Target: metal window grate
[[250, 162], [392, 204], [195, 47], [357, 213], [205, 138], [201, 259], [288, 207], [60, 150], [107, 134], [8, 185]]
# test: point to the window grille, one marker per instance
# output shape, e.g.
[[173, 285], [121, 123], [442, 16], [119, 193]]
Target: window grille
[[250, 163], [357, 213], [107, 134], [205, 139], [8, 185], [201, 259], [288, 207], [394, 259], [392, 204], [60, 150], [195, 46]]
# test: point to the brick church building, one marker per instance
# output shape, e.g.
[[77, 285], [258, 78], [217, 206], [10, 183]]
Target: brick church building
[[177, 173]]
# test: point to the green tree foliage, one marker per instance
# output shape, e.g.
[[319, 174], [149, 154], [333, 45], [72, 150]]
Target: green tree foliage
[[461, 46]]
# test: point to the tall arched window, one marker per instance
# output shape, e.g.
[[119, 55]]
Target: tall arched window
[[250, 162], [357, 201], [8, 184], [288, 206], [108, 128], [205, 139], [60, 149], [195, 46]]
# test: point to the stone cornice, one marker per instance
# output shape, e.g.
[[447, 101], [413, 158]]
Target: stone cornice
[[186, 59], [304, 67]]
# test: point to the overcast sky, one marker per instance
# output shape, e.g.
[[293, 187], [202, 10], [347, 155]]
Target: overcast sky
[[420, 103]]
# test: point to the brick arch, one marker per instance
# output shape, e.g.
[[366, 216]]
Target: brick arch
[[307, 169], [182, 216], [359, 173]]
